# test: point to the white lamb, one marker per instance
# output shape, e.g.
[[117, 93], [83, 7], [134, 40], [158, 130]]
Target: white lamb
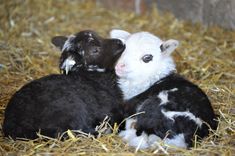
[[174, 108]]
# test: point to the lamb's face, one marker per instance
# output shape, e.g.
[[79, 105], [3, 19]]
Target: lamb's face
[[87, 50], [145, 55], [140, 57]]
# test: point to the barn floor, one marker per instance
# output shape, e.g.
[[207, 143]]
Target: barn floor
[[206, 56]]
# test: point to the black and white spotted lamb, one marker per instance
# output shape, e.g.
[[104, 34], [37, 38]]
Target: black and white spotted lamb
[[77, 101], [174, 109]]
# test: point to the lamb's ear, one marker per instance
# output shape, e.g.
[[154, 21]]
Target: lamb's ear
[[169, 46], [119, 34], [59, 41]]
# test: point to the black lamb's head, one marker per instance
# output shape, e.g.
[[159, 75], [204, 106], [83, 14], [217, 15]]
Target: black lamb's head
[[88, 51]]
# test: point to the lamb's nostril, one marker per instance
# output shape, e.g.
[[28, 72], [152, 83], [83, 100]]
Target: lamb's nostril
[[120, 66], [119, 42]]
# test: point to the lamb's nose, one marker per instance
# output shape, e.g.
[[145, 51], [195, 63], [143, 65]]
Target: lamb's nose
[[119, 69], [119, 42], [120, 66]]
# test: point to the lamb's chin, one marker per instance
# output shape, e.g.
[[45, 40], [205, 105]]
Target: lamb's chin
[[121, 74]]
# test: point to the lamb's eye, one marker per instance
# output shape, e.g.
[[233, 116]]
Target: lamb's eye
[[147, 58], [95, 50]]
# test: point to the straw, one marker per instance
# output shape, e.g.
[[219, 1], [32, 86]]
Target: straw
[[206, 56]]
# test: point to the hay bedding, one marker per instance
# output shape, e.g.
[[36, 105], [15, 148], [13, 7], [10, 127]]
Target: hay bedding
[[206, 56]]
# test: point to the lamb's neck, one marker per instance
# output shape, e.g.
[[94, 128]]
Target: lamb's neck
[[132, 88]]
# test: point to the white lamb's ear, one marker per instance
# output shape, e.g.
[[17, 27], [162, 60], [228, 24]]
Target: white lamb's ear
[[119, 34], [169, 46]]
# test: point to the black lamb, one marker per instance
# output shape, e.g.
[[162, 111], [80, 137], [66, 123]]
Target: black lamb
[[77, 101]]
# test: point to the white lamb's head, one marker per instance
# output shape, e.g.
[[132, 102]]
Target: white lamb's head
[[145, 57]]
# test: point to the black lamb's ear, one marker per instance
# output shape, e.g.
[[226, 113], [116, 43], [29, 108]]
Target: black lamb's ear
[[59, 41]]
